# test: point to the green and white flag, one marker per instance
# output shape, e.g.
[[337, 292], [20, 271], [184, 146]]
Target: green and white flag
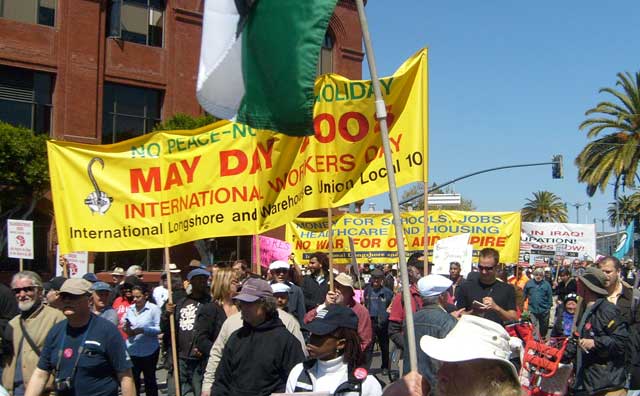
[[258, 61]]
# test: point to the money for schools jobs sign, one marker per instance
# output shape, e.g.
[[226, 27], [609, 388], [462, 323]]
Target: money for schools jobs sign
[[540, 242], [375, 239], [226, 179]]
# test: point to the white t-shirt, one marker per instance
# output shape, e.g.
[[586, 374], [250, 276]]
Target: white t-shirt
[[326, 376]]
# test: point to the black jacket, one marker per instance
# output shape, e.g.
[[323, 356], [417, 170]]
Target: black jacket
[[629, 311], [209, 321], [314, 292], [603, 368], [256, 361]]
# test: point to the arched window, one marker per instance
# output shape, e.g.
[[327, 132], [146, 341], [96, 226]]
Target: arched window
[[325, 63]]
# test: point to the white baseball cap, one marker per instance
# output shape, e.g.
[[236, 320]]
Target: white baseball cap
[[278, 264], [472, 338], [433, 285], [280, 288]]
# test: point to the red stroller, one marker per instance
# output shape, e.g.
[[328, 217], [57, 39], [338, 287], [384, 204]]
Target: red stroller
[[541, 374]]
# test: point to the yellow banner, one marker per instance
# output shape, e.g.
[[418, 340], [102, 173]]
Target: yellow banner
[[225, 179], [374, 236]]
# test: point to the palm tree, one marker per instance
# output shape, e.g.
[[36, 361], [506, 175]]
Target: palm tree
[[545, 207], [617, 153], [628, 208]]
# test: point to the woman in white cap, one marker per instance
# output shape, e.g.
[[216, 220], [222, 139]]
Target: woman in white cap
[[334, 357]]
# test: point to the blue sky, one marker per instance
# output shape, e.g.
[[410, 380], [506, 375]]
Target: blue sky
[[509, 84]]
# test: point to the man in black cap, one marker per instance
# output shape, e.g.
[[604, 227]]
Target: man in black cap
[[52, 288], [259, 356], [190, 359], [599, 351], [377, 299]]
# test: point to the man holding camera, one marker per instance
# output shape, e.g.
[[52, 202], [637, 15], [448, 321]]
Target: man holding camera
[[86, 353]]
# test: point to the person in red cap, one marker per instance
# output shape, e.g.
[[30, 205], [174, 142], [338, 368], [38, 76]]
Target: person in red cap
[[259, 356], [335, 357]]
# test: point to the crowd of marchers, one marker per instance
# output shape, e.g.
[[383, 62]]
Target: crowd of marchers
[[238, 333]]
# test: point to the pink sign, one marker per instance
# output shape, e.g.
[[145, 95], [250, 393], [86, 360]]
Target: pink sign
[[271, 249]]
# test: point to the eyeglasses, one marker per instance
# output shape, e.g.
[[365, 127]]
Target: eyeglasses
[[28, 289], [281, 271], [487, 269]]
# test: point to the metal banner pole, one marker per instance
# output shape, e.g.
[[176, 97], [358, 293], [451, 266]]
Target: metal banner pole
[[381, 115], [330, 236]]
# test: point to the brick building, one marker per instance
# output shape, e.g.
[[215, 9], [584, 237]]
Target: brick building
[[102, 71]]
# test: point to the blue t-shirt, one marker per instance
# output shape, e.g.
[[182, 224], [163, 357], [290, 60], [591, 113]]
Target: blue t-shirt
[[103, 356]]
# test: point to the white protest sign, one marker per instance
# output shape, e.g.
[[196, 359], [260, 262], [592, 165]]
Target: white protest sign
[[20, 239], [455, 248], [77, 262], [543, 241]]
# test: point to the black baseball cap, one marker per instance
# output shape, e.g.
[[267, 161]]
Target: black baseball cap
[[332, 317], [55, 283]]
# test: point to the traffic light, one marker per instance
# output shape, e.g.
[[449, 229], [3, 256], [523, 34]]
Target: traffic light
[[556, 167]]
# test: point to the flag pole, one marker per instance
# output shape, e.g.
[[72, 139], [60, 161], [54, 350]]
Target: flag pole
[[381, 115], [330, 236], [258, 255], [172, 324], [426, 224]]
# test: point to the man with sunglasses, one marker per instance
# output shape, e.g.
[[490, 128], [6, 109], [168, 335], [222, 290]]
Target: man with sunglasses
[[84, 353], [484, 295], [29, 331]]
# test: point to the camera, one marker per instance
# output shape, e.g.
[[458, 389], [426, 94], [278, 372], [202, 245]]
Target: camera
[[62, 384]]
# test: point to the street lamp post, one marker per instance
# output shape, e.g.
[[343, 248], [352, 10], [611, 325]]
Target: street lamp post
[[595, 221], [577, 205]]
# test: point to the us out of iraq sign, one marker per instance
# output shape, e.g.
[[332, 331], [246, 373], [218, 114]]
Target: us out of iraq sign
[[172, 187], [375, 239], [540, 242]]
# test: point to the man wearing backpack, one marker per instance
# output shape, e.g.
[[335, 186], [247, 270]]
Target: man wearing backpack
[[626, 299]]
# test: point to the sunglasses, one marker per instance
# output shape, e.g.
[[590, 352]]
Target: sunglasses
[[487, 269], [281, 271], [28, 289]]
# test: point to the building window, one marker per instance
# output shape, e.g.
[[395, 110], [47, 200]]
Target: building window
[[25, 98], [42, 12], [129, 112], [137, 21], [148, 259], [325, 63]]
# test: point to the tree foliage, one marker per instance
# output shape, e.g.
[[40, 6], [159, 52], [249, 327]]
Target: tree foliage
[[628, 209], [616, 154], [24, 179], [418, 203], [545, 207], [183, 121]]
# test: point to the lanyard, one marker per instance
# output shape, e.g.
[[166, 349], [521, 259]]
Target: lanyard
[[80, 350]]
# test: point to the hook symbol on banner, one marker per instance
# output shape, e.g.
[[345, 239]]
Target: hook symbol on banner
[[98, 201]]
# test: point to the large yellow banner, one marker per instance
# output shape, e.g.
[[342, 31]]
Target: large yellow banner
[[374, 236], [172, 187]]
